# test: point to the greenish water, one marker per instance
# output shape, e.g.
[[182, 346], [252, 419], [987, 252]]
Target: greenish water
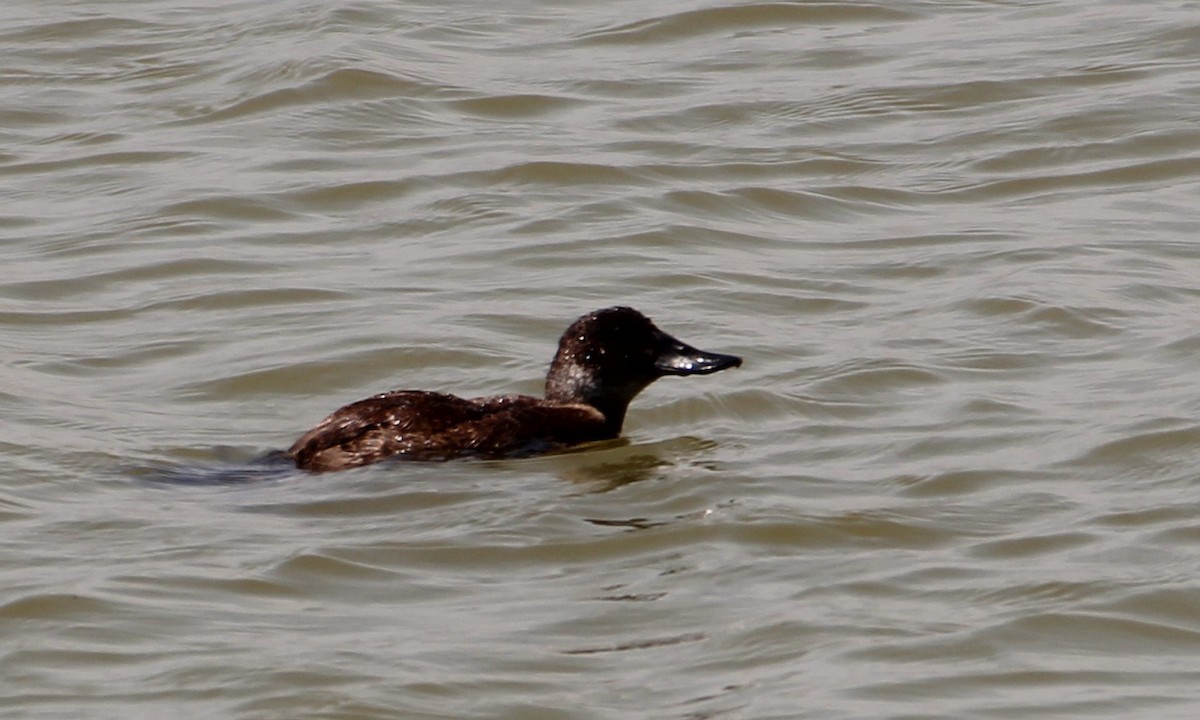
[[955, 243]]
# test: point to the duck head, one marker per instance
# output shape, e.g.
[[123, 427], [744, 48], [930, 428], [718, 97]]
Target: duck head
[[607, 357]]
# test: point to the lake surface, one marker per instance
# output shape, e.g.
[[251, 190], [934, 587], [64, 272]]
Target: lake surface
[[955, 241]]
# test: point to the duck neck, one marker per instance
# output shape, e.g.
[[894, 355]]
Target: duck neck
[[614, 414], [577, 386]]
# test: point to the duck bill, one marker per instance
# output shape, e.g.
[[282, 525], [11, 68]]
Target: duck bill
[[677, 358]]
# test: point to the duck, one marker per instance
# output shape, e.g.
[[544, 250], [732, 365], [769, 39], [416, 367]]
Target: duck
[[604, 359]]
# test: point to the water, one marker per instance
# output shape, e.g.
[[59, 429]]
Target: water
[[954, 241]]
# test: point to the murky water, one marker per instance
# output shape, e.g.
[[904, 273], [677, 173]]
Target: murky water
[[956, 243]]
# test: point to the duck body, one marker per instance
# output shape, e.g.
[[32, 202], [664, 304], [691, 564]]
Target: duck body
[[423, 425], [604, 359]]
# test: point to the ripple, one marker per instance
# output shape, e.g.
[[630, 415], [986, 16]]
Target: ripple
[[865, 377], [640, 644], [957, 482], [55, 606], [692, 24], [1144, 448], [515, 106], [1032, 545], [1094, 633], [342, 85]]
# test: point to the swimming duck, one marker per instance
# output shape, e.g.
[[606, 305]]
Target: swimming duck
[[604, 359]]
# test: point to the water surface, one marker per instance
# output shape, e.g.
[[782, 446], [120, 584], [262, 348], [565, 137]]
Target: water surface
[[954, 241]]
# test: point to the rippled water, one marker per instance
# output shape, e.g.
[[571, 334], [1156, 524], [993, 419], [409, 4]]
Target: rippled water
[[955, 241]]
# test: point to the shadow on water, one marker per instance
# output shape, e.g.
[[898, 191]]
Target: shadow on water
[[595, 467], [607, 476], [272, 466], [612, 464]]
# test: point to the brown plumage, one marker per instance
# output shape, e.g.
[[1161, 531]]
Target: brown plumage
[[604, 359]]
